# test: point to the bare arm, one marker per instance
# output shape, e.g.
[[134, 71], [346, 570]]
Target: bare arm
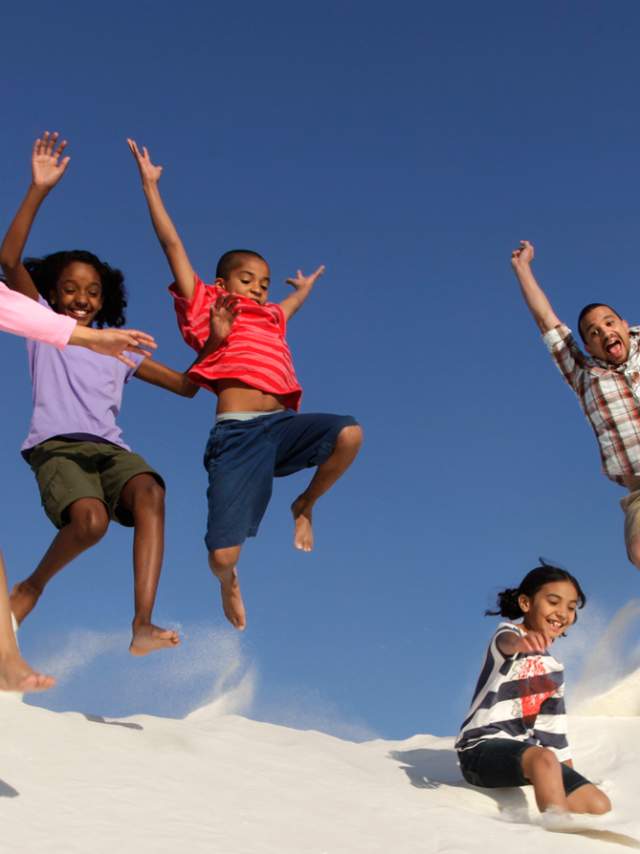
[[169, 238], [509, 643], [47, 168], [222, 316], [164, 377], [535, 298], [303, 286]]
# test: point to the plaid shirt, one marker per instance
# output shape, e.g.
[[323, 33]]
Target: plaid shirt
[[609, 396]]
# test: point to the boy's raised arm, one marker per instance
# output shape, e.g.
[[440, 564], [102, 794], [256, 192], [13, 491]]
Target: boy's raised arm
[[534, 296], [47, 168], [303, 285], [169, 239]]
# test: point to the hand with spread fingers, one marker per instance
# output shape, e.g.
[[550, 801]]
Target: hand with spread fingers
[[300, 281], [223, 314], [47, 163], [149, 172], [114, 342]]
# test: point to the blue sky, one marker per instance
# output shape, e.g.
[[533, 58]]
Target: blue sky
[[408, 148]]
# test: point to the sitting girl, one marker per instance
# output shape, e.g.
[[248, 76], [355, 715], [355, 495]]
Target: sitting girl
[[515, 733]]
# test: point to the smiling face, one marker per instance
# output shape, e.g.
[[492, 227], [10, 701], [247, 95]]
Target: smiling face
[[552, 608], [251, 279], [78, 292], [606, 335]]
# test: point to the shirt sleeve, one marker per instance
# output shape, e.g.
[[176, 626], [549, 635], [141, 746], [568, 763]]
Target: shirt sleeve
[[137, 359], [20, 315], [504, 629], [193, 314], [564, 351]]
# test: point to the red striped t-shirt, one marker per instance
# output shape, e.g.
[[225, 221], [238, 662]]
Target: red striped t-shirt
[[255, 352]]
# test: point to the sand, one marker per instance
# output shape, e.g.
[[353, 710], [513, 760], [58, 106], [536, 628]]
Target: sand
[[217, 782]]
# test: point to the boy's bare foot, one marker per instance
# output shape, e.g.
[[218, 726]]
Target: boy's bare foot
[[232, 603], [16, 675], [148, 638], [303, 533], [23, 599]]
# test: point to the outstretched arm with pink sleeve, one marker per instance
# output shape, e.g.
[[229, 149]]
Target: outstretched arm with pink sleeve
[[20, 315]]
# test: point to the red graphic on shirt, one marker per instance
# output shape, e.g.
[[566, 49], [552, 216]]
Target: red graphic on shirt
[[536, 685]]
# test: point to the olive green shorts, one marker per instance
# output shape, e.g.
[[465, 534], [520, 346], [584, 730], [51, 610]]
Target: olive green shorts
[[67, 470]]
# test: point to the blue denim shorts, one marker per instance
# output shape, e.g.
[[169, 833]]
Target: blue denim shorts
[[243, 457], [497, 763]]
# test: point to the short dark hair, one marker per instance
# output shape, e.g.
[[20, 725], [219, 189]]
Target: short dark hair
[[508, 605], [232, 259], [589, 308], [46, 272]]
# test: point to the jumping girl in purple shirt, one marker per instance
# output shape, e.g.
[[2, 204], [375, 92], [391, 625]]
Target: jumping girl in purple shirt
[[86, 474]]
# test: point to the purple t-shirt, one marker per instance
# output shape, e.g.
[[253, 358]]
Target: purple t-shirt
[[76, 392]]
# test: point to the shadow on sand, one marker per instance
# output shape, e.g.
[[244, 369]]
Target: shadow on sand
[[7, 791], [98, 719], [430, 769]]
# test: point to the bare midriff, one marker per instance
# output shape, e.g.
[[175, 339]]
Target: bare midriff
[[234, 396]]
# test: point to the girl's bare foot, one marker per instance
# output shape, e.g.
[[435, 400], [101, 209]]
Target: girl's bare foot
[[23, 599], [303, 533], [232, 603], [16, 675], [148, 638]]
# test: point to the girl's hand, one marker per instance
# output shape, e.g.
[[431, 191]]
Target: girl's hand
[[523, 256], [300, 281], [46, 166], [533, 642], [149, 173]]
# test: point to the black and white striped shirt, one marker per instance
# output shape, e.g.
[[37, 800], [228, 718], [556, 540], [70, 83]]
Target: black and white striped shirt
[[519, 697]]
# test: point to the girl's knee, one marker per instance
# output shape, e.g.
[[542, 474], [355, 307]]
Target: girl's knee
[[89, 521], [144, 492], [539, 760], [599, 803]]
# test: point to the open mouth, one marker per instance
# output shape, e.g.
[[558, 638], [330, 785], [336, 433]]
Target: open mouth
[[556, 624], [614, 348]]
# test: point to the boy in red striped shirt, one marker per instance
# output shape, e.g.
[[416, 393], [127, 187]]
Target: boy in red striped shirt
[[259, 433]]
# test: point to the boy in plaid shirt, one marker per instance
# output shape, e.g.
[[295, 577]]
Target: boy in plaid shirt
[[606, 382]]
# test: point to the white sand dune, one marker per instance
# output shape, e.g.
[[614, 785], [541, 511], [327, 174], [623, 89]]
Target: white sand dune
[[216, 782]]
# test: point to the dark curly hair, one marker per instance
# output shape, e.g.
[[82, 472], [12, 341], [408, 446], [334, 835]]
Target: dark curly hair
[[46, 273], [508, 605]]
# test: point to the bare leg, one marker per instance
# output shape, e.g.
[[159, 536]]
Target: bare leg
[[223, 565], [88, 522], [15, 673], [541, 767], [589, 799], [345, 451], [143, 497]]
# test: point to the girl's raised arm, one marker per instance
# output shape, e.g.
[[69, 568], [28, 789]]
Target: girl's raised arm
[[163, 225], [47, 168]]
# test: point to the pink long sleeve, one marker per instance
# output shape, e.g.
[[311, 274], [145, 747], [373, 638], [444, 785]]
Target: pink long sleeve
[[23, 316]]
